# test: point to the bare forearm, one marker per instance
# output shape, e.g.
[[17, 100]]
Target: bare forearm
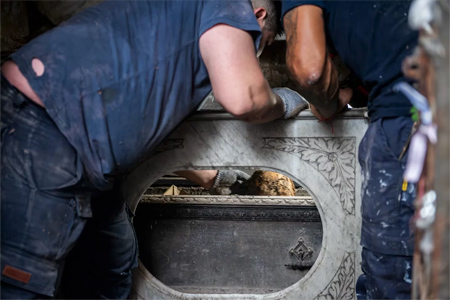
[[204, 178], [272, 110], [307, 59], [345, 95], [324, 94]]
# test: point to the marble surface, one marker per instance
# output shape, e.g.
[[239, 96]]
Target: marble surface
[[322, 157]]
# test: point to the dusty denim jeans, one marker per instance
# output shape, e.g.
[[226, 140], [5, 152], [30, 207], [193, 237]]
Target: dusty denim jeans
[[44, 205], [105, 254], [47, 204], [386, 209]]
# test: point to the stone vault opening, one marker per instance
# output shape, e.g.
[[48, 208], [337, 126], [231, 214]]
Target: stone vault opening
[[235, 244]]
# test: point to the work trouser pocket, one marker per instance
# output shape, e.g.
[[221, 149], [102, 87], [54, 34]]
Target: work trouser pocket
[[38, 234], [56, 223], [33, 148], [382, 175]]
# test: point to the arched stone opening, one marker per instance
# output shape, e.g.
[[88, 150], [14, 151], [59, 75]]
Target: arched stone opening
[[325, 163], [233, 244]]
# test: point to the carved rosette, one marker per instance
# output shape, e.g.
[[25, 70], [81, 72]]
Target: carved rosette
[[334, 158], [169, 144], [342, 286]]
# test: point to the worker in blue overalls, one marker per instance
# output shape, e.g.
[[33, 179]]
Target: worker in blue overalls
[[87, 102], [372, 38]]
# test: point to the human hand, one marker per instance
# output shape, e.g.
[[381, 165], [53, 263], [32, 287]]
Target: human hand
[[316, 113], [293, 102], [229, 182], [345, 95]]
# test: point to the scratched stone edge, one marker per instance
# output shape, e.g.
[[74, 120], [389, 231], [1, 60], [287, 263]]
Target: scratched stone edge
[[169, 144], [313, 149]]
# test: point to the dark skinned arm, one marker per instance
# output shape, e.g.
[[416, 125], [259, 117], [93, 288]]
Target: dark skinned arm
[[308, 62]]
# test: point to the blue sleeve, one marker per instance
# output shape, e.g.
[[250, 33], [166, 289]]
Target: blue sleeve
[[287, 5], [238, 14]]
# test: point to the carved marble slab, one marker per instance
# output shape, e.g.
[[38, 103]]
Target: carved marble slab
[[322, 157], [230, 199]]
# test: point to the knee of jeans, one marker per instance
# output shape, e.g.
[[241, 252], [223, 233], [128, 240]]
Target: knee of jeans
[[361, 287], [9, 291], [387, 276], [116, 290], [131, 215], [119, 239]]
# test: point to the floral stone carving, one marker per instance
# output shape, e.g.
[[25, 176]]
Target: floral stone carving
[[342, 285], [334, 158]]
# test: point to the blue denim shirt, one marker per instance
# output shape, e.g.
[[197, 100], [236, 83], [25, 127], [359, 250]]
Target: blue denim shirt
[[372, 38], [120, 76]]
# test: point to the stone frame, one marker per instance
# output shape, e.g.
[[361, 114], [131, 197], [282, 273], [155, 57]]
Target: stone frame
[[319, 155]]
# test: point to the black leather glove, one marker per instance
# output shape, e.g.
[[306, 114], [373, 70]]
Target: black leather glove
[[230, 182], [293, 102]]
